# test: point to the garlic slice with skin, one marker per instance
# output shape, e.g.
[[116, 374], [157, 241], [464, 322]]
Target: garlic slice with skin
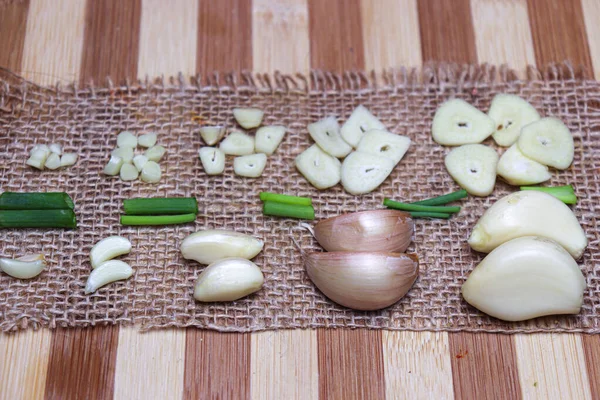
[[319, 168], [213, 160], [251, 166], [109, 248], [25, 267], [107, 272], [248, 118], [456, 122], [268, 139], [209, 246], [364, 172], [229, 279], [473, 167], [360, 121], [384, 144], [517, 169], [549, 142], [326, 133], [237, 144]]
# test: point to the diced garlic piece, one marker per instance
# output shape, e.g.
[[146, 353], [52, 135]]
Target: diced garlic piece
[[319, 168], [212, 134], [248, 117], [107, 272], [457, 122], [384, 144], [126, 153], [38, 158], [228, 280], [109, 248], [25, 267], [127, 139], [517, 169], [151, 172], [128, 172], [209, 246], [37, 147], [251, 166], [68, 159], [113, 167], [268, 138], [55, 148], [53, 161], [147, 139], [549, 142], [510, 113], [139, 161], [326, 133], [364, 172], [237, 144], [155, 153], [213, 160], [361, 120], [473, 167]]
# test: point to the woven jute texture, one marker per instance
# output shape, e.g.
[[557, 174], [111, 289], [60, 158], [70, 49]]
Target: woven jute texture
[[86, 120]]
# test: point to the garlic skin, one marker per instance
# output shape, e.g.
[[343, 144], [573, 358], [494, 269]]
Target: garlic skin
[[109, 248], [213, 245], [377, 230], [525, 278], [228, 280], [25, 267], [362, 281], [528, 213], [107, 272]]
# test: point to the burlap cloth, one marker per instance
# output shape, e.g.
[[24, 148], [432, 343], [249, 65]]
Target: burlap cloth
[[86, 120]]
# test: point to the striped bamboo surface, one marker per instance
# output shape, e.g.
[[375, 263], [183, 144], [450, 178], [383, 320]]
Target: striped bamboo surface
[[74, 40]]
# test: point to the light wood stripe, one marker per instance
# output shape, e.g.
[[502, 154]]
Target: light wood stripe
[[417, 365], [552, 366], [591, 15], [285, 365], [13, 22], [591, 349]]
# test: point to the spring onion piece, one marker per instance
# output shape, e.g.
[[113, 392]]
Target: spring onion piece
[[286, 199], [426, 214], [35, 201], [157, 219], [288, 210], [566, 194], [442, 200], [161, 206], [418, 207], [37, 219]]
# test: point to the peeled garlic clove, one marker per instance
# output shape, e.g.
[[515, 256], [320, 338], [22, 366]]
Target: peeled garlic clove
[[127, 139], [362, 281], [516, 169], [384, 144], [510, 113], [155, 153], [126, 153], [377, 230], [549, 142], [364, 172], [268, 139], [528, 213], [109, 248], [457, 122], [228, 280], [248, 118], [209, 246], [212, 134], [473, 167], [25, 267], [38, 158], [147, 139], [360, 121], [53, 161], [68, 159], [326, 133], [107, 272], [113, 166], [151, 172], [525, 278], [139, 161], [237, 144], [251, 166], [55, 148], [213, 160], [128, 172], [319, 168]]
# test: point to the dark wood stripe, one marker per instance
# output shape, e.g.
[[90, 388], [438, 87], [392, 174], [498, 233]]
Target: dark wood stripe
[[82, 363], [224, 36], [335, 30], [447, 31], [111, 40], [350, 364], [13, 24], [217, 365], [558, 32], [591, 348]]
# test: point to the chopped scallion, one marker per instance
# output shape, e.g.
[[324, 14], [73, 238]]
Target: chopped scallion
[[566, 194], [157, 219], [36, 201], [445, 199], [425, 214], [286, 199], [417, 207], [37, 219], [288, 210], [161, 206]]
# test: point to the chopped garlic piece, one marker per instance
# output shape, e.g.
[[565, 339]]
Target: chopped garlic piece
[[268, 139], [251, 166], [126, 153], [147, 139], [38, 158], [128, 172], [68, 159], [213, 160], [127, 139], [55, 148], [113, 166], [248, 117], [151, 172], [139, 161], [53, 161], [155, 153], [212, 134], [37, 147], [237, 144]]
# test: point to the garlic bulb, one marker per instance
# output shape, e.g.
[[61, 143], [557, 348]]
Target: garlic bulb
[[228, 280], [362, 281], [377, 230], [209, 246]]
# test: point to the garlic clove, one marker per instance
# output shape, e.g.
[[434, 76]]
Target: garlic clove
[[384, 144], [109, 248], [549, 142], [213, 160], [525, 278], [126, 153], [55, 148], [362, 281], [364, 172], [151, 172], [53, 161], [147, 139], [528, 213], [248, 118], [319, 168], [473, 167], [209, 246], [228, 280], [25, 267], [237, 144], [360, 121], [457, 122], [212, 134], [139, 161], [127, 139], [38, 158], [377, 230], [268, 139], [68, 159], [155, 153], [113, 166], [251, 166], [326, 133], [510, 113], [107, 272], [128, 172], [517, 169]]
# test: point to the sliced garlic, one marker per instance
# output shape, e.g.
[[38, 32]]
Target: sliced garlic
[[549, 142], [525, 278], [151, 172], [516, 169], [107, 272], [126, 153], [127, 139], [248, 118], [268, 139], [155, 153], [510, 113], [360, 121], [25, 267], [326, 133], [384, 144], [68, 159], [53, 161], [457, 122], [213, 160], [147, 139], [212, 134], [528, 213], [473, 167], [237, 144], [128, 172], [209, 246], [319, 168], [109, 248], [228, 280], [364, 172], [139, 161], [55, 148], [37, 159], [251, 166], [113, 166]]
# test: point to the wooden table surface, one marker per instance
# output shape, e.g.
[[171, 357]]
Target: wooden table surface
[[74, 40]]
